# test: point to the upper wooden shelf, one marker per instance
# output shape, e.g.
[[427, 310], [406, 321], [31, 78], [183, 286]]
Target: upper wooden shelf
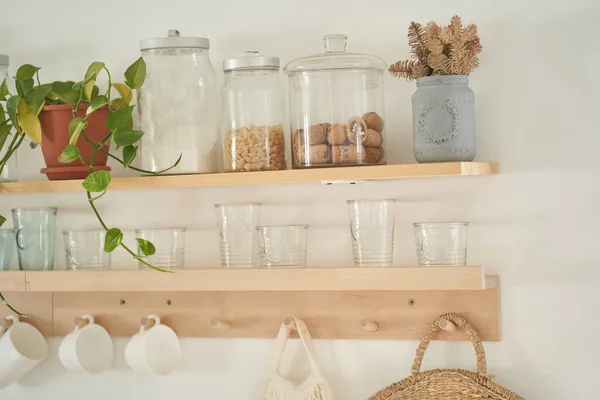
[[332, 174], [249, 280]]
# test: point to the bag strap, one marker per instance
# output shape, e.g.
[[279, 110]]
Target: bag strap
[[463, 324], [305, 338]]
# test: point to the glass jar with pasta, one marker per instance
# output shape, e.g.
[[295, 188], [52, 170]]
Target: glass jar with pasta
[[253, 114]]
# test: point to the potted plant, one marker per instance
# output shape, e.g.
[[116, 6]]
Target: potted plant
[[25, 107], [443, 105]]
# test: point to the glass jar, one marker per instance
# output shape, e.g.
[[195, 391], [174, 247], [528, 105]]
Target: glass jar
[[253, 114], [9, 172], [178, 106], [337, 107]]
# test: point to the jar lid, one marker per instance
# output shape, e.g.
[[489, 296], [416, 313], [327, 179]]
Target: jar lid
[[174, 40], [4, 59], [251, 60], [335, 57]]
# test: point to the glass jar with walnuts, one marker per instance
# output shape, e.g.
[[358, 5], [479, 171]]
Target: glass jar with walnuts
[[337, 107], [253, 114]]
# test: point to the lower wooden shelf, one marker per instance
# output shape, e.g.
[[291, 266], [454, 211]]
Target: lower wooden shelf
[[402, 301]]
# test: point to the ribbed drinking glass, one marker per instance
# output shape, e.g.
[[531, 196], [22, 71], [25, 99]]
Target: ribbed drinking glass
[[441, 243], [236, 225], [372, 230], [170, 247], [7, 243], [282, 246], [84, 250], [35, 234]]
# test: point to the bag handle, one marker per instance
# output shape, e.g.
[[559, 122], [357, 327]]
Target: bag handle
[[305, 338], [463, 324]]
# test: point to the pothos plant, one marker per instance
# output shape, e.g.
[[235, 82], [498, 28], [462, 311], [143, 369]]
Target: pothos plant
[[19, 119]]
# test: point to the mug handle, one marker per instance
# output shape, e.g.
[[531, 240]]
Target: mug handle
[[3, 326], [153, 317], [89, 318]]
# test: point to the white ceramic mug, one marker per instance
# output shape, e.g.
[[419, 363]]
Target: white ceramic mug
[[155, 349], [87, 349], [22, 348]]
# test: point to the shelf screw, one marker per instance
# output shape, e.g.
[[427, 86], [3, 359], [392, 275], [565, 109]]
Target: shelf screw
[[411, 302], [122, 302], [169, 302]]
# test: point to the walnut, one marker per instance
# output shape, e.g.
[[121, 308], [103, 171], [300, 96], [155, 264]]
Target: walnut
[[348, 154], [337, 134], [373, 138], [356, 130], [374, 155], [373, 121]]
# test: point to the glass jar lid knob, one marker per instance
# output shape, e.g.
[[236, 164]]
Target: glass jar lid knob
[[335, 43]]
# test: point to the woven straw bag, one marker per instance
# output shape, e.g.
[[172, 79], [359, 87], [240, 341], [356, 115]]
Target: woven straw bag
[[447, 384], [315, 387]]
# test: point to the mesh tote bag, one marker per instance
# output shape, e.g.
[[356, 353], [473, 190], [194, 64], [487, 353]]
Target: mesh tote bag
[[313, 388], [447, 384]]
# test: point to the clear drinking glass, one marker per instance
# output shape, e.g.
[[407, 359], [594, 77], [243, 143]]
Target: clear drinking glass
[[372, 229], [7, 243], [84, 250], [441, 243], [170, 247], [282, 246], [35, 233], [9, 172], [236, 224]]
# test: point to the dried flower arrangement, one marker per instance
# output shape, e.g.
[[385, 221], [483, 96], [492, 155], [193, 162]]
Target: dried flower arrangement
[[437, 50]]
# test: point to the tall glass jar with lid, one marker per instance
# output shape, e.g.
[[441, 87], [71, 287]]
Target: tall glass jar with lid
[[178, 106], [337, 107], [253, 114], [9, 171]]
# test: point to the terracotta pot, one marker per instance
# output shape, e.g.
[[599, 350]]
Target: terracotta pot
[[55, 137]]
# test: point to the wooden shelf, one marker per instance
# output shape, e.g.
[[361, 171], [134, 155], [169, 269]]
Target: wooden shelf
[[333, 174], [252, 280], [12, 281]]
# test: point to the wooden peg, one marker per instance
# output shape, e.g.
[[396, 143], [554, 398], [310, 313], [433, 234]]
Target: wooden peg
[[289, 323], [447, 326], [80, 322], [369, 325], [222, 324]]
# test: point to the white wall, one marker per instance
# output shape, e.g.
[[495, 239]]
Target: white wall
[[536, 225]]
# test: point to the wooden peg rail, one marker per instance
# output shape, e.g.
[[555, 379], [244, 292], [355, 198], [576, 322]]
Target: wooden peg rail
[[348, 307]]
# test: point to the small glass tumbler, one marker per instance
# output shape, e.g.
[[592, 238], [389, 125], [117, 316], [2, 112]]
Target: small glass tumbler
[[84, 250], [282, 246], [441, 243], [236, 224], [7, 243], [169, 244], [9, 172], [35, 235], [372, 225]]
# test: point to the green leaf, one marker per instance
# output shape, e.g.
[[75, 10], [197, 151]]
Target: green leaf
[[29, 122], [77, 86], [118, 118], [26, 71], [123, 136], [37, 96], [24, 87], [11, 108], [2, 114], [90, 78], [95, 91], [113, 239], [125, 92], [129, 153], [3, 90], [2, 220], [146, 247], [69, 154], [96, 103], [136, 74], [64, 92], [97, 181], [4, 132], [76, 125]]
